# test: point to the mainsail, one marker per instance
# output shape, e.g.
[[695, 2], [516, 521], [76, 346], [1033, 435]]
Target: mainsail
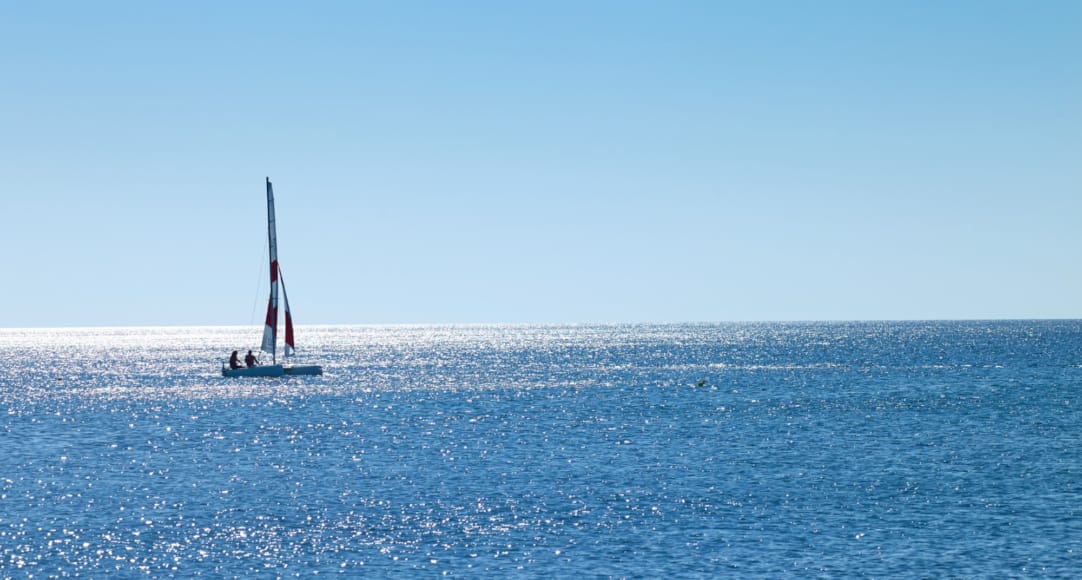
[[270, 331]]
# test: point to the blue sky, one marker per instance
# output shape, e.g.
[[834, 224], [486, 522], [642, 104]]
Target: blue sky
[[541, 161]]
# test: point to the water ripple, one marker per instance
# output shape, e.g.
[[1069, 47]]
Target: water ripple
[[845, 449]]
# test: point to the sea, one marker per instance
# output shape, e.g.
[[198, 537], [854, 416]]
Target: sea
[[743, 450]]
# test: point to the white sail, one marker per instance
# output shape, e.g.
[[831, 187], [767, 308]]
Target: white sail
[[270, 330], [289, 348]]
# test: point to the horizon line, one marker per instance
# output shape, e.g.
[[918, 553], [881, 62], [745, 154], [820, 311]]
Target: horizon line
[[580, 323]]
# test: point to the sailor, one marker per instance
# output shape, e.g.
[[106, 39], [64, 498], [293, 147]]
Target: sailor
[[250, 360], [234, 362]]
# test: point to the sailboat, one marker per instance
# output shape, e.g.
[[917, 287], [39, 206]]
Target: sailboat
[[270, 329]]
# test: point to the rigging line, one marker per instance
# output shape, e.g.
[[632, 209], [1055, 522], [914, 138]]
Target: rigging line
[[259, 285]]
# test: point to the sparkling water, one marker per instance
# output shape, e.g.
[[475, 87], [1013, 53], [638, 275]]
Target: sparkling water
[[923, 449]]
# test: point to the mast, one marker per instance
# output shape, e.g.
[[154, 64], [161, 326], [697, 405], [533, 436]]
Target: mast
[[270, 330]]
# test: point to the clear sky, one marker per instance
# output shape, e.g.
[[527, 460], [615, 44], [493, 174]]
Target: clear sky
[[542, 161]]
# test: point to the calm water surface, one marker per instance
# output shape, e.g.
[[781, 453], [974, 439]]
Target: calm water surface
[[844, 449]]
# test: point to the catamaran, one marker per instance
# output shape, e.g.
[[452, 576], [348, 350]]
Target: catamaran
[[270, 329]]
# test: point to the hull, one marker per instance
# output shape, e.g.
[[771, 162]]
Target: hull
[[304, 370], [259, 371]]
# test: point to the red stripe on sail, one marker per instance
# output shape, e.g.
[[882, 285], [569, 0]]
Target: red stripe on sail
[[272, 315], [289, 330], [274, 271]]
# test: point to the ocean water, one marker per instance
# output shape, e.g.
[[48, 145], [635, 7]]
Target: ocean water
[[913, 449]]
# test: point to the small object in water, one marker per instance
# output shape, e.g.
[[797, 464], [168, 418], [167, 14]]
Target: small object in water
[[701, 383]]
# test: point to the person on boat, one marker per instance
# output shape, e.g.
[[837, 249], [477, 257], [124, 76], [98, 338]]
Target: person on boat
[[250, 360], [234, 362]]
